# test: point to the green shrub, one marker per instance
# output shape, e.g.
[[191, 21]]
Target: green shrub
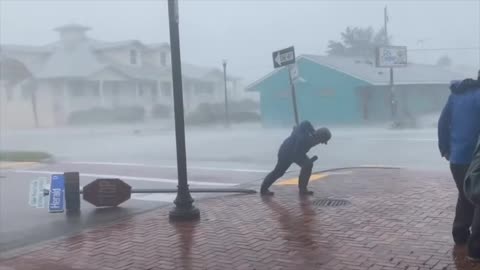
[[24, 156], [124, 114], [215, 114], [161, 111]]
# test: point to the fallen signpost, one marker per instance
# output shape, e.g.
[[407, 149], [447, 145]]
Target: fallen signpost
[[110, 192]]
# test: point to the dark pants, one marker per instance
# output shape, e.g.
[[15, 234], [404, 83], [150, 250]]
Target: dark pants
[[467, 216], [282, 166]]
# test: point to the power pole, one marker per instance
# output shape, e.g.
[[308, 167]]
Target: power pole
[[184, 209], [34, 105], [393, 102], [227, 116]]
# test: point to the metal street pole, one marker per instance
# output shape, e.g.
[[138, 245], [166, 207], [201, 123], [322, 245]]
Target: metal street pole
[[184, 209], [393, 102], [227, 116], [294, 96]]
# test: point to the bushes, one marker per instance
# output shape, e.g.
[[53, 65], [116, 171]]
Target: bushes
[[244, 117], [125, 114], [215, 114], [246, 105], [161, 111], [206, 114], [24, 156]]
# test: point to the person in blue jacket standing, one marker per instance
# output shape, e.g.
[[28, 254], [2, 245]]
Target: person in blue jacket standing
[[458, 134], [294, 149]]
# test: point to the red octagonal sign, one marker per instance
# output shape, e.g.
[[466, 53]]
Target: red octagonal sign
[[107, 192]]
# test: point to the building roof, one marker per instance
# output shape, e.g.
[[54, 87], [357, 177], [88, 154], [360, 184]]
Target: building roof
[[200, 73], [80, 60], [102, 45], [6, 48], [66, 62], [72, 27], [365, 70], [164, 45]]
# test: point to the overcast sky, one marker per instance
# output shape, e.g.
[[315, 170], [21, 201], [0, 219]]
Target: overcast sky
[[246, 32]]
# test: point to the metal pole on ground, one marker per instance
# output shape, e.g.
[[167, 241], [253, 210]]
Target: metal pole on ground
[[184, 209]]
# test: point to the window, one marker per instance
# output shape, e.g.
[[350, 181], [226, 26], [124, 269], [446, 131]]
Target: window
[[163, 59], [204, 88], [78, 92], [166, 88], [133, 57], [77, 89], [26, 93], [9, 94], [154, 93]]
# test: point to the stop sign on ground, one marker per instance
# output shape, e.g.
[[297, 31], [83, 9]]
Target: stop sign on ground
[[107, 192]]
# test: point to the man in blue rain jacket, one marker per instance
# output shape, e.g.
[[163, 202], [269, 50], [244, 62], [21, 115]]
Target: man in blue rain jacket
[[458, 134]]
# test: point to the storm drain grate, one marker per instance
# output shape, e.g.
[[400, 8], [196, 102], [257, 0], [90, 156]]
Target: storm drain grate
[[331, 202]]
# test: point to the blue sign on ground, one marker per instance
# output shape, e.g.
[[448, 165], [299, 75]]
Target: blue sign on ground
[[57, 194]]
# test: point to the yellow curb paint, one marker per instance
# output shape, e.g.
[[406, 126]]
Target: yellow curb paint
[[294, 181], [16, 165]]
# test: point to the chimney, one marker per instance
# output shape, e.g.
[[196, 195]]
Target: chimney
[[72, 33]]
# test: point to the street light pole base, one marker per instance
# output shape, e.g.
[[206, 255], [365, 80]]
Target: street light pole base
[[184, 214]]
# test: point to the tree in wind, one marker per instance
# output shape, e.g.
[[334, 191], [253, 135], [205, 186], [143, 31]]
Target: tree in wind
[[358, 42]]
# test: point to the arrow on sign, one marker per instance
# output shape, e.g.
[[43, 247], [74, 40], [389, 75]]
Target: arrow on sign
[[283, 57], [278, 60]]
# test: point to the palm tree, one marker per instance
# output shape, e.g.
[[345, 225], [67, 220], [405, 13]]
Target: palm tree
[[14, 72]]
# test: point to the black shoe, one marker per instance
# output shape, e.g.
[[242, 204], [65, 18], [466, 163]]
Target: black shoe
[[461, 237], [460, 241], [473, 251], [266, 193], [306, 192], [473, 259]]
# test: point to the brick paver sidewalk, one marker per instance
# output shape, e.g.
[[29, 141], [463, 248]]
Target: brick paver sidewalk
[[395, 219]]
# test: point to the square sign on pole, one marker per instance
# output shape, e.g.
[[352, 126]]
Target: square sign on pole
[[391, 56], [283, 57], [36, 197], [33, 194]]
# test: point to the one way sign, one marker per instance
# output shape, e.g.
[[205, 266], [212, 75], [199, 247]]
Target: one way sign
[[283, 57]]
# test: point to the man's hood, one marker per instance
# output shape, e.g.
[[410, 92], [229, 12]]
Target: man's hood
[[460, 87], [304, 127]]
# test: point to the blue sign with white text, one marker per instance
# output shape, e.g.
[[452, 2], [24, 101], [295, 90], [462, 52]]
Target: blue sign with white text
[[57, 194]]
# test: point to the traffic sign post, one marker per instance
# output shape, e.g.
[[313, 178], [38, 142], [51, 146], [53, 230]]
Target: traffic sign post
[[101, 192], [294, 95], [286, 57], [392, 57]]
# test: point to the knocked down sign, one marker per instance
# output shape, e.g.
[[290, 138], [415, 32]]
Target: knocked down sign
[[107, 192]]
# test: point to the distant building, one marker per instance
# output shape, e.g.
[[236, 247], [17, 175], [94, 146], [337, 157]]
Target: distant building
[[340, 90], [79, 73]]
